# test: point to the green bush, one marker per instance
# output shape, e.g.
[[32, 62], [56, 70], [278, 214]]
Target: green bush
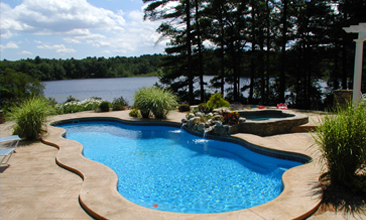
[[30, 117], [155, 100], [184, 108], [120, 101], [216, 101], [341, 138], [118, 107], [71, 99], [134, 113], [76, 106], [202, 107], [17, 86], [142, 101], [104, 106]]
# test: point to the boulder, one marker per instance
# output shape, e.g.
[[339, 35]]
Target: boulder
[[217, 118], [218, 123], [209, 122], [190, 123], [199, 114], [223, 130], [201, 127], [189, 116]]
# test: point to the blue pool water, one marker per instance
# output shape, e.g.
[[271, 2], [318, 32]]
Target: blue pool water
[[168, 169]]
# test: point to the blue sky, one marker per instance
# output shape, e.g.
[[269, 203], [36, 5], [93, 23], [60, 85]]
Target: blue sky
[[75, 28]]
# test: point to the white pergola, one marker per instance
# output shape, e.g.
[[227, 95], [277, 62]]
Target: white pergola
[[361, 30]]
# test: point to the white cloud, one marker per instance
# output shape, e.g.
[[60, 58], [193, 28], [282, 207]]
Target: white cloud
[[50, 17], [79, 22], [91, 36], [11, 45], [72, 40], [102, 44], [65, 50], [106, 51], [59, 48], [24, 52]]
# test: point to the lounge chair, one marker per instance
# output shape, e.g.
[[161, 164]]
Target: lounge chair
[[6, 154], [11, 142]]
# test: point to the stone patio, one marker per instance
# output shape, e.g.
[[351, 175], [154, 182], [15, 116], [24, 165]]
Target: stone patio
[[35, 187]]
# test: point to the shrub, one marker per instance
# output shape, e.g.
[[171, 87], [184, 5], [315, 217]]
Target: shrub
[[120, 101], [342, 144], [118, 107], [184, 108], [30, 117], [141, 99], [216, 101], [202, 107], [71, 99], [76, 106], [17, 86], [155, 100], [134, 113], [104, 106], [231, 118]]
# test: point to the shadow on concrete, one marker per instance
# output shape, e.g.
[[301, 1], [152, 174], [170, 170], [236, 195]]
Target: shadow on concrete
[[3, 168], [338, 198]]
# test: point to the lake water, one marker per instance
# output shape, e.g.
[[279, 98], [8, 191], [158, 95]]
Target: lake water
[[107, 89], [111, 88]]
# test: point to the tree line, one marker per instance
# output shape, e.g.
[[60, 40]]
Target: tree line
[[91, 67], [285, 47]]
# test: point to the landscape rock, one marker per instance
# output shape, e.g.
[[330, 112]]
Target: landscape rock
[[190, 115], [201, 127], [199, 114], [217, 118]]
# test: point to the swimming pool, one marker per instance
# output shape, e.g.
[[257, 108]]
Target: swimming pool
[[167, 169]]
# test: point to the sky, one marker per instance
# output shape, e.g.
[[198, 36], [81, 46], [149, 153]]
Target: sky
[[76, 28]]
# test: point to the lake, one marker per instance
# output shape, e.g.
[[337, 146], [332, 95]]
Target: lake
[[111, 88], [107, 89]]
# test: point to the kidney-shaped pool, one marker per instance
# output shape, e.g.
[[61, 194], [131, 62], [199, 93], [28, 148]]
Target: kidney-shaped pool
[[168, 169]]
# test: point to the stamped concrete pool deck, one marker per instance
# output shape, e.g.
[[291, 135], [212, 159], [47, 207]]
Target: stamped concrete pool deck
[[35, 186]]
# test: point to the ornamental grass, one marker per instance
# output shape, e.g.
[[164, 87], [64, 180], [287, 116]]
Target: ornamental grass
[[30, 117], [341, 138], [156, 101]]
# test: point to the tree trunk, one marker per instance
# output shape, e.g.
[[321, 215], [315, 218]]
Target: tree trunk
[[222, 58], [202, 91], [283, 54], [189, 53], [267, 53]]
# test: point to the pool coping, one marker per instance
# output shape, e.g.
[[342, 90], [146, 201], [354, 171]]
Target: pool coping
[[100, 198]]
